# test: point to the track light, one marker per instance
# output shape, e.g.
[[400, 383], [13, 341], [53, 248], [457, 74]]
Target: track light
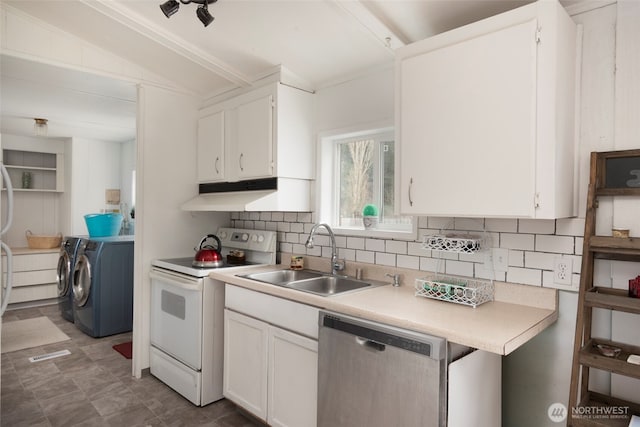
[[171, 6], [203, 15]]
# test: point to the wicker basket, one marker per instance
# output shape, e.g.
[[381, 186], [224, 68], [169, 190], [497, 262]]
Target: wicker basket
[[41, 241]]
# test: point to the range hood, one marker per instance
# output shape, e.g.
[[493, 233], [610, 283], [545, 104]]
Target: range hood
[[270, 194]]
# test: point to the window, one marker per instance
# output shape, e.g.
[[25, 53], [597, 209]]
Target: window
[[362, 173]]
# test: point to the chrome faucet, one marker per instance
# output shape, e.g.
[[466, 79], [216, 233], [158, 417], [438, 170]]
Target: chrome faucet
[[336, 265]]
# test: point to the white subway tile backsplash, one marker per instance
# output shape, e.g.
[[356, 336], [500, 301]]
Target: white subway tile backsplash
[[431, 264], [471, 224], [473, 257], [570, 227], [284, 226], [365, 256], [297, 227], [481, 271], [557, 244], [525, 242], [532, 245], [291, 216], [299, 249], [439, 223], [286, 247], [501, 225], [347, 254], [376, 245], [355, 243], [459, 268], [407, 261], [271, 226], [536, 226], [396, 247], [539, 260], [415, 248], [383, 258], [516, 258], [315, 251], [292, 237], [524, 275], [304, 217]]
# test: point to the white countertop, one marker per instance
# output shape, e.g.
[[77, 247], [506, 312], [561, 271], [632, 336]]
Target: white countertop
[[519, 313], [29, 251]]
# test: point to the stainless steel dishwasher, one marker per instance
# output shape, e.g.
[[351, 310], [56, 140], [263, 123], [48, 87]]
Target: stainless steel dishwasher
[[371, 374]]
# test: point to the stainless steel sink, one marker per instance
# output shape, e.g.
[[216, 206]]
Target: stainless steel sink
[[282, 277], [328, 285], [311, 281]]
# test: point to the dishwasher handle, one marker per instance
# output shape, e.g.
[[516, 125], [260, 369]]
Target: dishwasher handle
[[378, 336], [373, 345]]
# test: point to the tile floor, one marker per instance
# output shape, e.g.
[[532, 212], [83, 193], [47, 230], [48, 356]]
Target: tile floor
[[93, 386]]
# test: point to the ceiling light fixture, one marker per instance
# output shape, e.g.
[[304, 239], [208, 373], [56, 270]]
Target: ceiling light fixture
[[171, 6], [40, 127]]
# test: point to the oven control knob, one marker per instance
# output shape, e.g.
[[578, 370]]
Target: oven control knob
[[254, 237], [260, 238], [223, 235], [245, 237]]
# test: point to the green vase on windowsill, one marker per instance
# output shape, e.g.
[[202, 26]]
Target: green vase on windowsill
[[370, 216]]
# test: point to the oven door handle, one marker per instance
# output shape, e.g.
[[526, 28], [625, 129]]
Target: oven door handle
[[182, 282]]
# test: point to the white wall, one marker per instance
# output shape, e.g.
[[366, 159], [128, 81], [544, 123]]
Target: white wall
[[538, 374], [166, 178], [367, 99], [127, 166], [95, 168]]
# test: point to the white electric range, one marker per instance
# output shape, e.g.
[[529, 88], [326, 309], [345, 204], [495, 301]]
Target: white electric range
[[187, 315]]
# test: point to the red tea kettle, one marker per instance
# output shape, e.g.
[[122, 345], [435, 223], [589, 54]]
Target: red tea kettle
[[207, 256]]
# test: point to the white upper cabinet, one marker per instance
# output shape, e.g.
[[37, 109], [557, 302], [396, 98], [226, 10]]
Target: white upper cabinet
[[211, 148], [266, 132], [254, 138], [485, 117]]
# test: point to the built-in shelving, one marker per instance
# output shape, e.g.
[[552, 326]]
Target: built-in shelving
[[32, 171]]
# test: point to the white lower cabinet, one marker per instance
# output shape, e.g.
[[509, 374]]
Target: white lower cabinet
[[270, 370], [34, 275], [292, 378], [245, 362]]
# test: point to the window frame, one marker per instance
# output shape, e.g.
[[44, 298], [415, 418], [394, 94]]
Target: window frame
[[327, 196]]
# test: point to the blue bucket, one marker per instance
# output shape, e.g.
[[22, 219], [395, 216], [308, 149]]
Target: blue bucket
[[103, 225]]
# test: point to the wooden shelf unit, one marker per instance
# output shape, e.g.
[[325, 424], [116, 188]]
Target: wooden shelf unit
[[606, 410]]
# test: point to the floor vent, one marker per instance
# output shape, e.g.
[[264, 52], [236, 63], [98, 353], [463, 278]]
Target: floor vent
[[48, 356]]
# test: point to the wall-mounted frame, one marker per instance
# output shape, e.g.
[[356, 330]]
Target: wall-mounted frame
[[619, 172]]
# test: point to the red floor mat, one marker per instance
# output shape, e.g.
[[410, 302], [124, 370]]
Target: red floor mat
[[124, 349]]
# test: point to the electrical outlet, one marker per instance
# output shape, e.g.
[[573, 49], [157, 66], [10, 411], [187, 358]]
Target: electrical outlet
[[562, 270], [498, 259]]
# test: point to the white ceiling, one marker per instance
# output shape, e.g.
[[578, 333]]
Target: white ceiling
[[320, 41]]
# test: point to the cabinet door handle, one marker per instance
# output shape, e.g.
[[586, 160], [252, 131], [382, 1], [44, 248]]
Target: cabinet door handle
[[240, 161], [410, 185], [216, 166]]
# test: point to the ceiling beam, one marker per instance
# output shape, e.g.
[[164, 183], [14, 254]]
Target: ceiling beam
[[372, 24], [143, 26]]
